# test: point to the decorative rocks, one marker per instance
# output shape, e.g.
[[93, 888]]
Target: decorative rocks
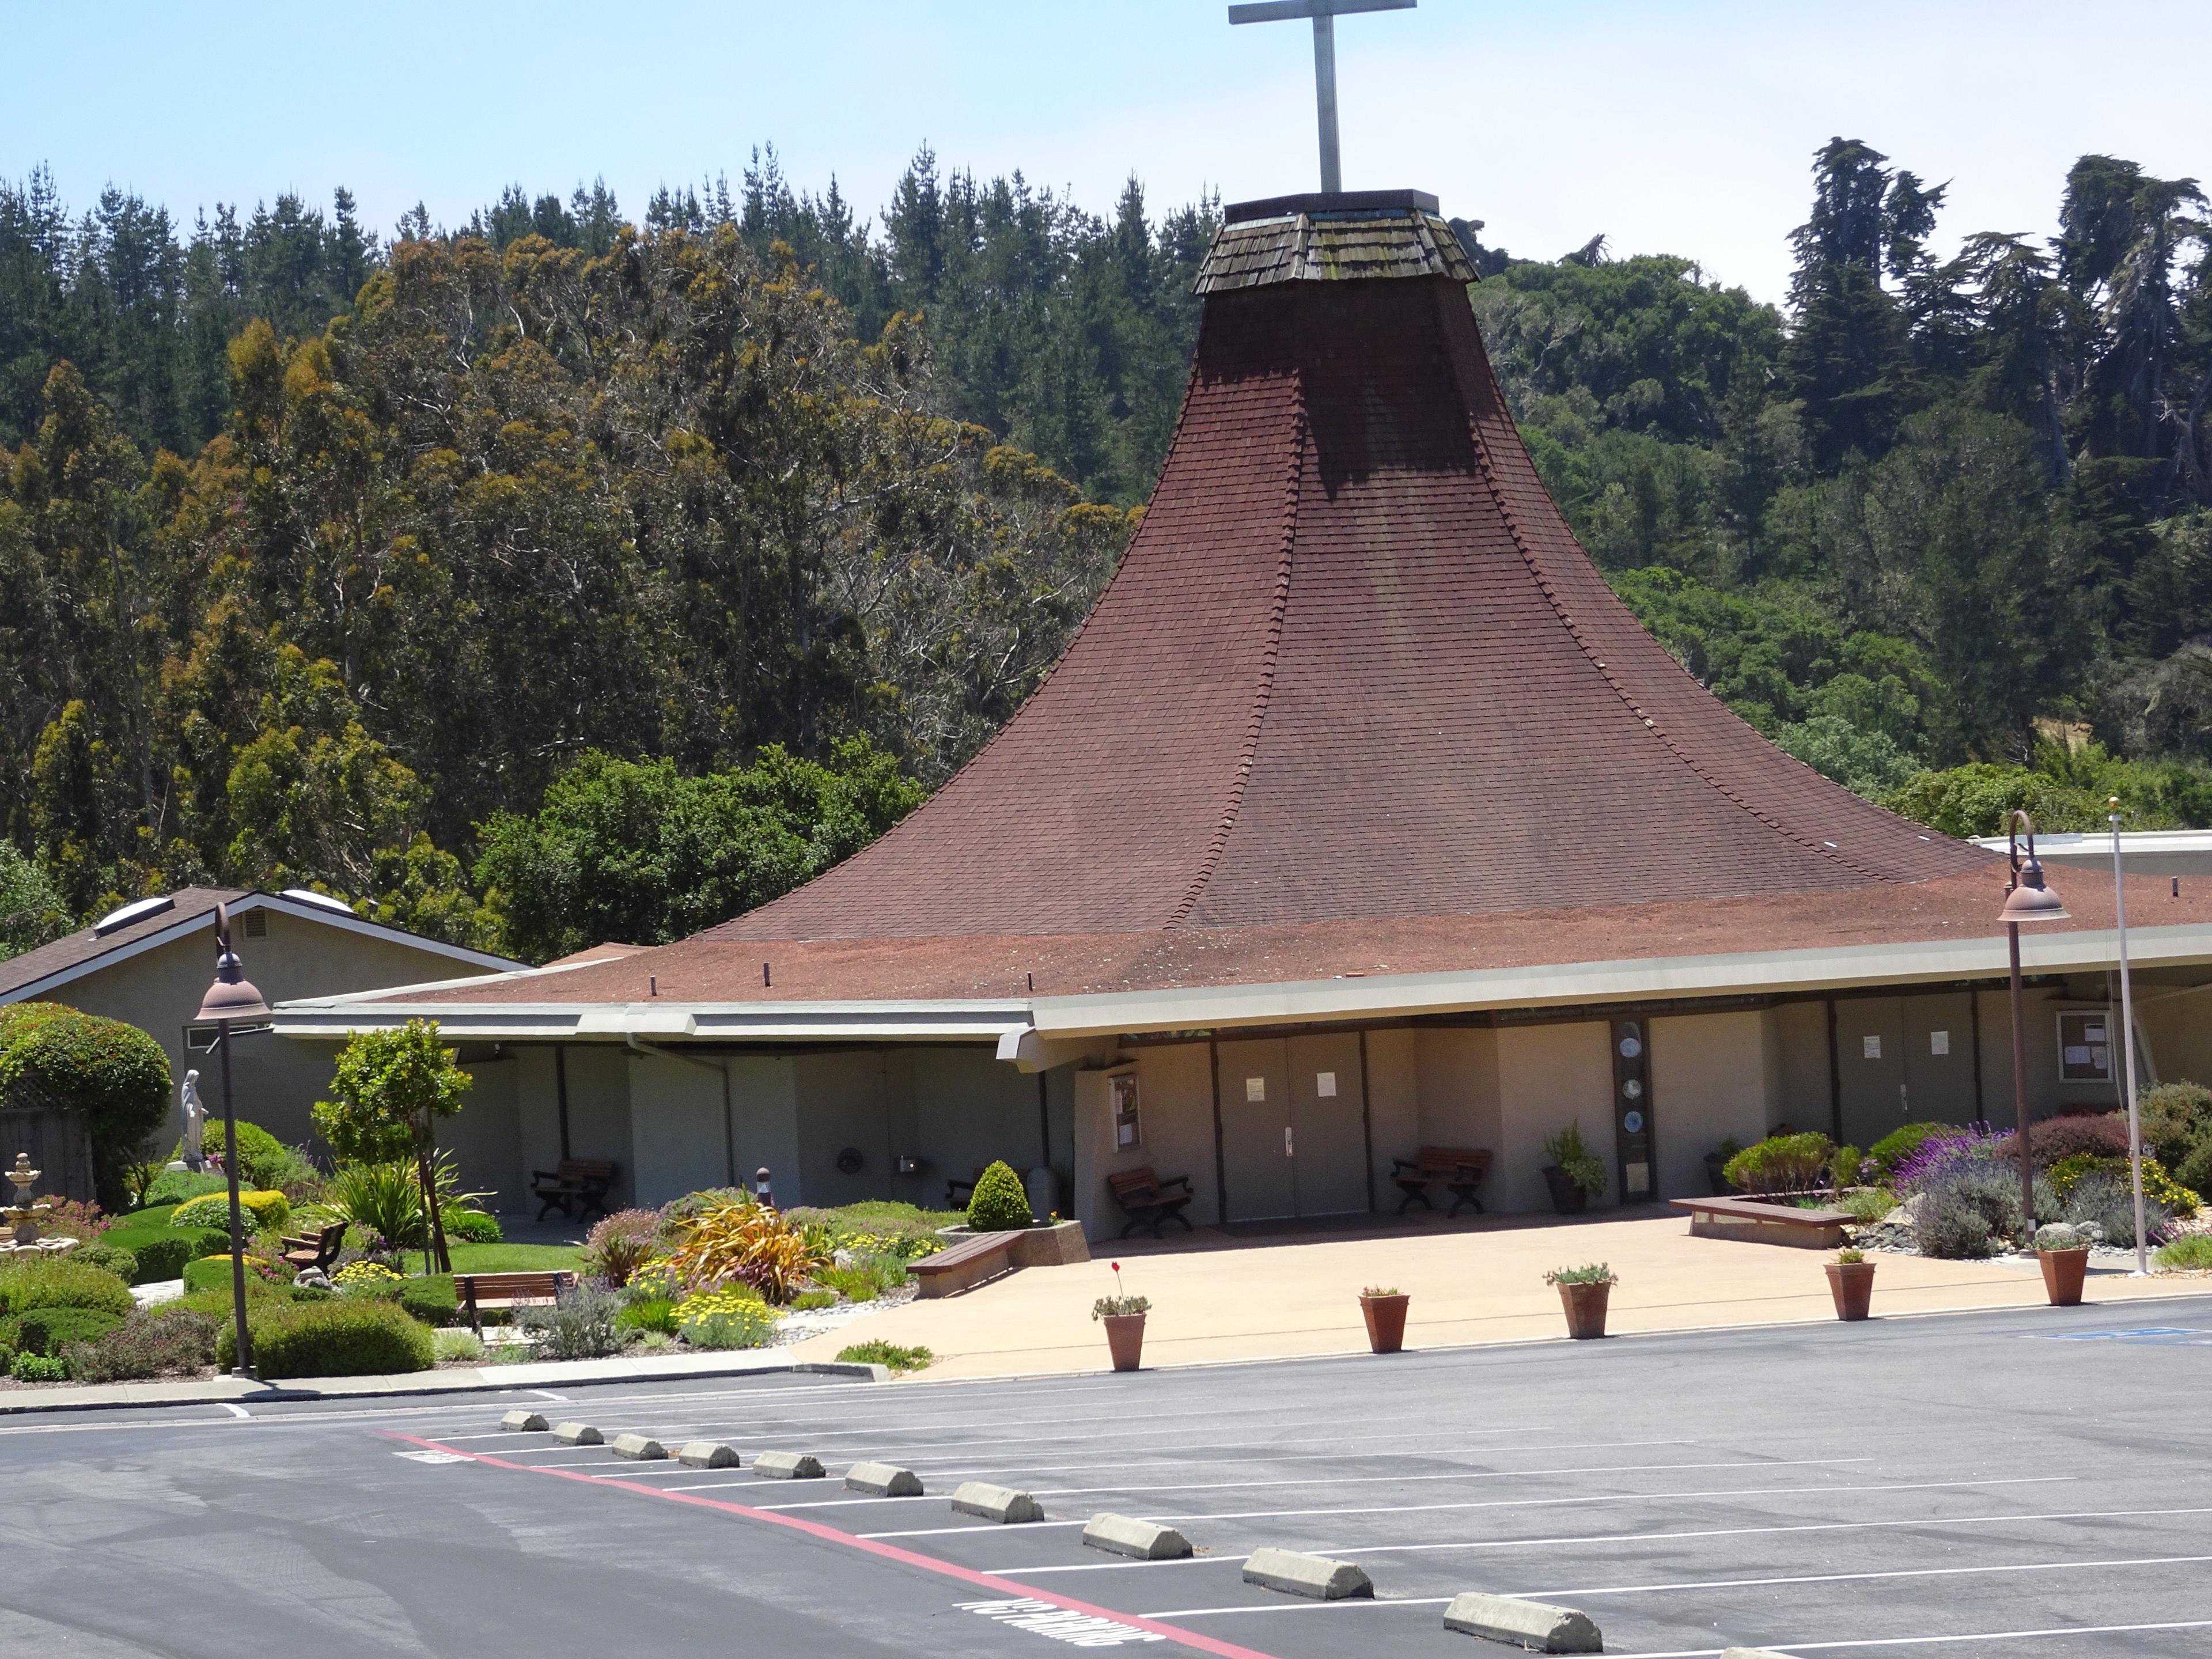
[[788, 1465], [1538, 1627], [1317, 1575], [524, 1423], [1002, 1504], [1146, 1540], [579, 1434]]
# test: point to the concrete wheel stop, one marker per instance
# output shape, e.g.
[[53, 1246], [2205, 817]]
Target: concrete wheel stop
[[1317, 1575], [788, 1465], [579, 1434], [638, 1447], [707, 1454], [1001, 1504], [1537, 1626], [882, 1480], [524, 1423], [1146, 1540]]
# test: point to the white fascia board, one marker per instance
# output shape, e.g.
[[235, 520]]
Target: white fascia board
[[1397, 995], [177, 930], [377, 930], [661, 1019]]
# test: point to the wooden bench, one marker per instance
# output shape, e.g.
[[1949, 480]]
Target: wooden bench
[[967, 1262], [1756, 1223], [959, 1193], [576, 1187], [1145, 1198], [1460, 1169], [482, 1293], [316, 1249]]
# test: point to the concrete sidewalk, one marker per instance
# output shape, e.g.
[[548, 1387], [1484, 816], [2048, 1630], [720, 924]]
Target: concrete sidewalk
[[545, 1374], [1213, 1304]]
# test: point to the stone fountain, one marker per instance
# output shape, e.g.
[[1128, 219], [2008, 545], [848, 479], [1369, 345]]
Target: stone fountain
[[23, 1214]]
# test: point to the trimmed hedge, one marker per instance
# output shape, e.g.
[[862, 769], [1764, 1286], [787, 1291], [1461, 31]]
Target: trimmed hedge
[[269, 1212], [212, 1273], [150, 1343], [430, 1298], [58, 1282], [345, 1336], [45, 1330]]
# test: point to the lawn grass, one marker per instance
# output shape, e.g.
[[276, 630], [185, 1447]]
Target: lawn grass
[[508, 1258]]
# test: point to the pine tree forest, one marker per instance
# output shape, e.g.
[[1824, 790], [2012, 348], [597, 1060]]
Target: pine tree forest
[[566, 576]]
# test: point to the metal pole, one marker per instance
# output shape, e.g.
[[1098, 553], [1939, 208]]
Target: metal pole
[[1324, 26], [243, 1359], [2128, 1038], [2019, 1096]]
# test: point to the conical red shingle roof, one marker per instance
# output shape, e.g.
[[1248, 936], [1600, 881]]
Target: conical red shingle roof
[[1353, 664]]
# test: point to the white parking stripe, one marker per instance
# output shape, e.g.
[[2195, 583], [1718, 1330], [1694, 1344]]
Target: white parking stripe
[[1858, 1578], [1931, 1641]]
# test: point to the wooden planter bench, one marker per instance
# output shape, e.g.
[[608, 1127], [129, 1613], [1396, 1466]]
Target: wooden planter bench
[[1458, 1170], [1758, 1223], [479, 1294], [963, 1264], [576, 1187]]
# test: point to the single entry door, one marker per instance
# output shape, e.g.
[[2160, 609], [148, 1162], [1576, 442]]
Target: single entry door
[[1293, 1127]]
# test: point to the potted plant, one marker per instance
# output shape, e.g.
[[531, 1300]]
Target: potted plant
[[1575, 1172], [1716, 1162], [1124, 1319], [1850, 1282], [2062, 1249], [1384, 1308], [1583, 1292]]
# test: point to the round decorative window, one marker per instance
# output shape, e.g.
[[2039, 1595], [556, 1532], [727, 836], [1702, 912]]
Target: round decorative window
[[1631, 1048], [1632, 1121], [1633, 1088]]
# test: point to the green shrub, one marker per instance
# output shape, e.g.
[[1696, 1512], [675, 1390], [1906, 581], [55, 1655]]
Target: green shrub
[[163, 1255], [2108, 1199], [880, 1353], [45, 1330], [1782, 1164], [2158, 1187], [346, 1336], [110, 1259], [212, 1273], [2176, 1119], [459, 1344], [1572, 1155], [1867, 1204], [728, 1318], [655, 1313], [384, 1199], [867, 1279], [1898, 1145], [173, 1187], [262, 1158], [150, 1343], [430, 1298], [114, 1073], [470, 1226], [807, 1301], [2194, 1250], [999, 1203], [36, 1368], [58, 1282], [2194, 1171], [259, 1212], [1846, 1166], [582, 1324], [621, 1243]]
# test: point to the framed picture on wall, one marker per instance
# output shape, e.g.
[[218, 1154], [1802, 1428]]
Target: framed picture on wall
[[2085, 1048], [1128, 1128]]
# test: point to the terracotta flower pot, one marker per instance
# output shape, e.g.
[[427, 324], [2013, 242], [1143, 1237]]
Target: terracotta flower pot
[[1386, 1322], [2063, 1273], [1125, 1339], [1585, 1306], [1567, 1199], [1851, 1284]]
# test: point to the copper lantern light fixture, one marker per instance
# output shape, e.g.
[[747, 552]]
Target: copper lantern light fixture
[[232, 1003], [2028, 898]]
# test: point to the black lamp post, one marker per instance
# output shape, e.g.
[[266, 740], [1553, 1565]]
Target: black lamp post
[[2026, 899], [231, 1001]]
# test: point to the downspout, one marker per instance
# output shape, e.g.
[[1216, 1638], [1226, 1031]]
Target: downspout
[[721, 1067], [561, 1082]]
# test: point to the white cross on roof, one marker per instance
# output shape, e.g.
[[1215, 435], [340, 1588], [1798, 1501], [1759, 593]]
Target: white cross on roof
[[1324, 14]]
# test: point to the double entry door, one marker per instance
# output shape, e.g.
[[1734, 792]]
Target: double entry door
[[1293, 1126]]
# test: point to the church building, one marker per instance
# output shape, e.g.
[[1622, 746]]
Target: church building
[[1359, 817]]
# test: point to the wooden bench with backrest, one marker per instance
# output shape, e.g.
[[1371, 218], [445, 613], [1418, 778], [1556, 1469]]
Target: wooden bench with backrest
[[1759, 1223], [964, 1262], [1145, 1198], [316, 1249], [1458, 1170], [576, 1187], [479, 1294]]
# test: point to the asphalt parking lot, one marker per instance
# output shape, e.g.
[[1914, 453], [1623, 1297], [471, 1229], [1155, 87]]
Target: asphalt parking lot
[[2029, 1482]]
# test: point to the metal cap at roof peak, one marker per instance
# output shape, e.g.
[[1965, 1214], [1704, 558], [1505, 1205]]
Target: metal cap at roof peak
[[1315, 202]]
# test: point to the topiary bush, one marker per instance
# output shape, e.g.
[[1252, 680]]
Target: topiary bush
[[1782, 1164], [262, 1210], [999, 1202], [162, 1255], [347, 1336], [59, 1282], [1898, 1145], [470, 1226], [114, 1073]]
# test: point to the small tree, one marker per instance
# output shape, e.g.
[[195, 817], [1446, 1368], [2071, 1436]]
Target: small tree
[[114, 1074], [390, 1088]]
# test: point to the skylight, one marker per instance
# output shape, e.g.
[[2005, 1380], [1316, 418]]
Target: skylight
[[137, 911], [322, 901]]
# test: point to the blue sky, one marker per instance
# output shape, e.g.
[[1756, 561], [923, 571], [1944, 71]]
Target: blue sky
[[1683, 126]]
